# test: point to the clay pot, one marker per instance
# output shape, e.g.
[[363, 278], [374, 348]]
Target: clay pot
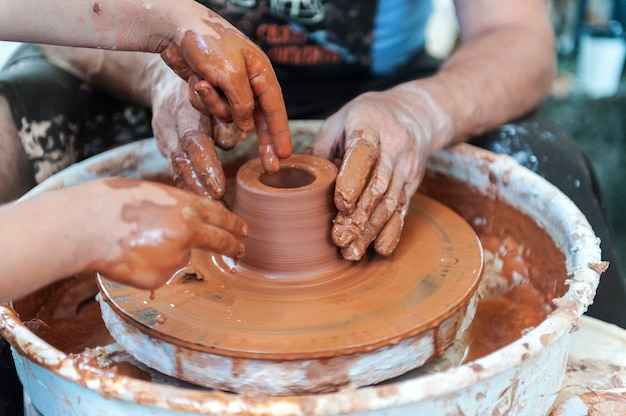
[[289, 215]]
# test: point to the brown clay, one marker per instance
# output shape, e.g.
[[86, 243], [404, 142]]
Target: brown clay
[[289, 216], [504, 229], [291, 296], [358, 161], [71, 322], [502, 319]]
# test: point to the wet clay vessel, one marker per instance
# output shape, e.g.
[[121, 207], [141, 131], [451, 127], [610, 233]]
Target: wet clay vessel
[[292, 316]]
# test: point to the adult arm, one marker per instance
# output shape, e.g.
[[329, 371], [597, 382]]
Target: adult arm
[[503, 67], [233, 79], [132, 231]]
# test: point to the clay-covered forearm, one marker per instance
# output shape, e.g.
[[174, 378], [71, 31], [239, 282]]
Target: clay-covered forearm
[[142, 25], [504, 67], [42, 240]]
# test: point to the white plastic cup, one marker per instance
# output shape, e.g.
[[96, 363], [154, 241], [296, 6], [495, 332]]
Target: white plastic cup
[[601, 59]]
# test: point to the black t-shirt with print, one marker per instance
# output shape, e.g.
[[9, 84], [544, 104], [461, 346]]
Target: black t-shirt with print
[[334, 37]]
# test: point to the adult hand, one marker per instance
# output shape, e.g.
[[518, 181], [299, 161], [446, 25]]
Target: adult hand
[[231, 78], [148, 230], [383, 140], [188, 138]]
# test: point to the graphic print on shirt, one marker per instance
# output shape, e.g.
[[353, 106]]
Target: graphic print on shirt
[[333, 36]]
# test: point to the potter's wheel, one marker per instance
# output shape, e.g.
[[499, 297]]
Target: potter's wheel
[[243, 326]]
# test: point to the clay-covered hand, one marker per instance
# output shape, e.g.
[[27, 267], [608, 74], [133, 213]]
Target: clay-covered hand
[[231, 78], [148, 230], [188, 138], [383, 140]]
